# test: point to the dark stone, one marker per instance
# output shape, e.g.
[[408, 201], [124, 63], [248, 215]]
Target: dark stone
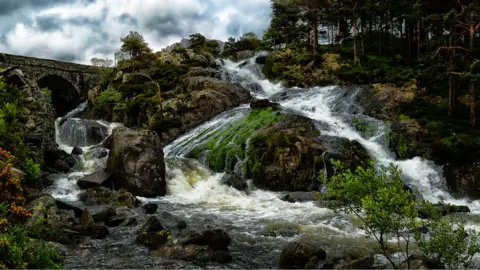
[[300, 196], [70, 206], [261, 59], [264, 103], [152, 233], [61, 166], [77, 151], [116, 221], [150, 208], [172, 222], [136, 161], [216, 239], [95, 180], [236, 182], [301, 256], [194, 253], [105, 215], [362, 263]]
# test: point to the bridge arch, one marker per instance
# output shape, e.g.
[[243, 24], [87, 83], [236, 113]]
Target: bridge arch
[[65, 96]]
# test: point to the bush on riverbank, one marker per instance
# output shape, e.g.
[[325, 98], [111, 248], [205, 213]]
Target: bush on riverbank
[[388, 210], [16, 250]]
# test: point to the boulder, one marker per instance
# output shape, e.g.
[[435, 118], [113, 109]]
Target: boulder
[[264, 103], [136, 162], [69, 206], [59, 160], [300, 196], [193, 253], [50, 223], [121, 221], [285, 155], [106, 196], [95, 180], [361, 263], [150, 208], [172, 222], [261, 59], [301, 256], [152, 233], [105, 215], [236, 182], [77, 151], [242, 55], [216, 239]]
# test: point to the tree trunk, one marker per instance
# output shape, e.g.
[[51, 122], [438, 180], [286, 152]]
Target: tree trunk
[[409, 44], [315, 26], [473, 105], [451, 82], [419, 36]]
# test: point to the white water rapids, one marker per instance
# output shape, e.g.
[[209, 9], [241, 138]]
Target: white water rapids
[[201, 197]]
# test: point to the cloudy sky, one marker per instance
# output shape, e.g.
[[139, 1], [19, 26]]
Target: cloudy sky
[[77, 30]]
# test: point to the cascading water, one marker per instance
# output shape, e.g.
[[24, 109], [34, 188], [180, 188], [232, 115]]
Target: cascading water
[[335, 110], [88, 135]]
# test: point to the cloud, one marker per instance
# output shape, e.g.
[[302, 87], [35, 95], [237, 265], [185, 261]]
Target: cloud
[[77, 30]]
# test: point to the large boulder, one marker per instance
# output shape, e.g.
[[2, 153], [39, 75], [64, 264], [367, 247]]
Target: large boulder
[[50, 223], [193, 253], [152, 233], [301, 256], [136, 162], [106, 196], [242, 55], [289, 154]]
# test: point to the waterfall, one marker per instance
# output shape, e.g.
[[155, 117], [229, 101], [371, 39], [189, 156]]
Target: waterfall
[[89, 136], [335, 110]]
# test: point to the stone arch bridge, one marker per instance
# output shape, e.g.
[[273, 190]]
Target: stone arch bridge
[[69, 82]]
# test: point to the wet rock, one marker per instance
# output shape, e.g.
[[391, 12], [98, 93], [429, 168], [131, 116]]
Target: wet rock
[[59, 160], [261, 59], [77, 151], [106, 196], [236, 182], [105, 215], [150, 208], [242, 55], [300, 196], [50, 223], [172, 222], [193, 253], [152, 233], [362, 263], [94, 180], [136, 162], [216, 239], [88, 227], [264, 103], [301, 256], [285, 155], [121, 221], [70, 206]]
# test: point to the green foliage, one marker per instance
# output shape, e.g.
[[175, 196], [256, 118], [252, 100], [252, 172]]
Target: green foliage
[[169, 76], [226, 146], [134, 44], [19, 252], [108, 99], [379, 199], [31, 169], [449, 242], [46, 91], [248, 41]]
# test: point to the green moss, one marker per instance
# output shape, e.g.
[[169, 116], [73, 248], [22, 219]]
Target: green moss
[[227, 146]]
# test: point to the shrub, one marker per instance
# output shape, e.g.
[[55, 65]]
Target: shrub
[[449, 242], [108, 99]]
